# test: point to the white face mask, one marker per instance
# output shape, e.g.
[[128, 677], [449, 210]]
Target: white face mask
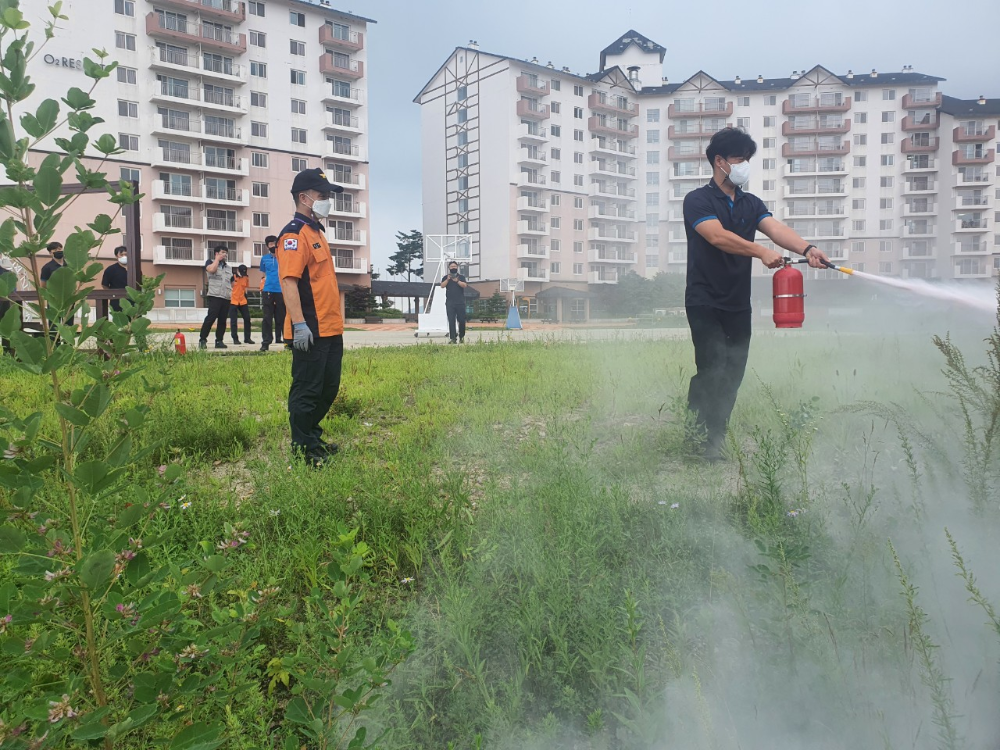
[[739, 174], [322, 208], [123, 259]]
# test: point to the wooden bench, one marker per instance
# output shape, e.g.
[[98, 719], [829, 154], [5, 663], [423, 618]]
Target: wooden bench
[[372, 320], [488, 320]]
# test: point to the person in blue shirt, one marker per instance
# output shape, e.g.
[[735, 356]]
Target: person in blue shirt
[[722, 221], [271, 299]]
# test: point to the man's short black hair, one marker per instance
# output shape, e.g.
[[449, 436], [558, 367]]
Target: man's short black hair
[[221, 248], [730, 143], [269, 239], [54, 246], [453, 263], [120, 249]]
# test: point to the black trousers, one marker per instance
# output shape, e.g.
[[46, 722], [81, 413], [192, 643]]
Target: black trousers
[[218, 310], [721, 345], [315, 383], [456, 313], [234, 328], [274, 314]]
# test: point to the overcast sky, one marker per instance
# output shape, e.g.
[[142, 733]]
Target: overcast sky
[[414, 37]]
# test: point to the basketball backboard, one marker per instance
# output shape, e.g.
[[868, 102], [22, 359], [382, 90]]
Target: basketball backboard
[[438, 247], [511, 285]]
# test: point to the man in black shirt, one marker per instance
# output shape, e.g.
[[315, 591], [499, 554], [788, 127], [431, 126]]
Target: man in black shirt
[[56, 251], [721, 222], [115, 275], [454, 286]]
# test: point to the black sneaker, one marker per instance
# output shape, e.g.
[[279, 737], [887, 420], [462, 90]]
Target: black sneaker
[[236, 342], [329, 449], [263, 347], [203, 344], [462, 340], [220, 345], [250, 341], [452, 341]]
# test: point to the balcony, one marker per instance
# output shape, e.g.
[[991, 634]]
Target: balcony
[[330, 65], [611, 128], [958, 158], [799, 170], [815, 104], [815, 128], [963, 247], [344, 152], [927, 229], [602, 168], [175, 256], [610, 234], [699, 133], [346, 236], [605, 103], [933, 102], [176, 224], [603, 276], [977, 135], [222, 132], [611, 191], [813, 212], [837, 232], [350, 265], [532, 155], [188, 63], [224, 10], [979, 270], [970, 201], [610, 147], [532, 228], [677, 112], [815, 149], [346, 181], [206, 35], [836, 190], [698, 174], [972, 225], [190, 96], [918, 253], [530, 109], [921, 186], [528, 85], [676, 154], [527, 179], [920, 209], [912, 146], [349, 97], [677, 257], [610, 256], [223, 101], [350, 209], [185, 127], [926, 121], [974, 178], [533, 274], [611, 213], [182, 159], [166, 191], [225, 227], [532, 252], [330, 37], [524, 203], [928, 164], [341, 122], [527, 133]]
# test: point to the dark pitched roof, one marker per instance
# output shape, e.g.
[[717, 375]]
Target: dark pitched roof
[[903, 79], [969, 107], [629, 38], [325, 5]]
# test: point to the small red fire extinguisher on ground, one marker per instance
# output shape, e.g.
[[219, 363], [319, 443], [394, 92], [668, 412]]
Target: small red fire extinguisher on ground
[[789, 307], [180, 345]]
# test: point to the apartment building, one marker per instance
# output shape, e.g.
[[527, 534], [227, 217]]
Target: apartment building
[[218, 104], [567, 180]]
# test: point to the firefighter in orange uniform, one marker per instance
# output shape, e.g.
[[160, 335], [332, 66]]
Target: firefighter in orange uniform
[[314, 323]]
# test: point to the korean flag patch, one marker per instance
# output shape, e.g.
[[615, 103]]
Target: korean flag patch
[[291, 244]]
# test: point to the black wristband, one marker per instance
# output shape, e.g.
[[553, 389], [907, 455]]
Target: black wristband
[[805, 253]]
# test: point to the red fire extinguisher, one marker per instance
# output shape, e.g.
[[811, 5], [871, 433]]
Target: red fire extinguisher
[[180, 345], [789, 308]]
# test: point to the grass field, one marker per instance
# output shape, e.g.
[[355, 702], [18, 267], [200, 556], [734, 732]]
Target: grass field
[[574, 578]]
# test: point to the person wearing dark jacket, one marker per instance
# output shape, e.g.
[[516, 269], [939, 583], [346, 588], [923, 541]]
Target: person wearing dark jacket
[[454, 288], [115, 276]]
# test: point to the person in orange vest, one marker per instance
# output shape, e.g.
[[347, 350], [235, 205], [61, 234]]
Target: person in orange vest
[[238, 306]]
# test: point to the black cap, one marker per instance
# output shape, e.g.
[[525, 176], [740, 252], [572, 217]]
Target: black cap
[[313, 179]]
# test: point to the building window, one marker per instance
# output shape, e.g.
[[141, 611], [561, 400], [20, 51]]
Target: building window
[[652, 115], [767, 185], [298, 77], [555, 267], [256, 9], [858, 247], [578, 90], [258, 129], [555, 223], [770, 143], [129, 174], [578, 157], [463, 161], [743, 101], [859, 182], [578, 225], [860, 96], [578, 203], [297, 19], [463, 93], [556, 154], [258, 69], [578, 268], [885, 225], [888, 94], [555, 108], [296, 47], [463, 138], [888, 137], [885, 246], [652, 136], [578, 180], [860, 139], [769, 122], [127, 75], [860, 161], [125, 41], [258, 99], [555, 200], [178, 297], [886, 182], [743, 123], [298, 135], [261, 189], [860, 117], [858, 204], [259, 159], [554, 246], [128, 142], [463, 115], [555, 85], [652, 157], [578, 113], [652, 220], [889, 116], [771, 100], [888, 160], [125, 8], [259, 249], [858, 225], [652, 178], [885, 267], [258, 39], [577, 247], [555, 131], [128, 109], [885, 203], [555, 176], [578, 135], [769, 163], [261, 220]]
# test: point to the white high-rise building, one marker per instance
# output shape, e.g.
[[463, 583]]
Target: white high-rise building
[[218, 103], [568, 180]]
